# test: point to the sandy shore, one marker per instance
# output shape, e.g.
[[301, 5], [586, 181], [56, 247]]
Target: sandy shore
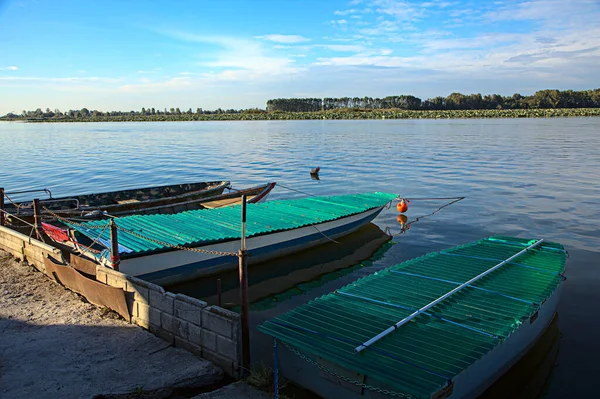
[[55, 344]]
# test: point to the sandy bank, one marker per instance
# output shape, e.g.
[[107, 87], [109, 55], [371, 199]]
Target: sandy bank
[[54, 344]]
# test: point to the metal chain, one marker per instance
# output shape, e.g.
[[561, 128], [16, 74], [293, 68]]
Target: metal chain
[[166, 244], [70, 221], [346, 379]]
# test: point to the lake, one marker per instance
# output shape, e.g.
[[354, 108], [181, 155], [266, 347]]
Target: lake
[[535, 178]]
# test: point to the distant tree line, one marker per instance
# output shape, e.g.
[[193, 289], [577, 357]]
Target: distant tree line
[[456, 101], [543, 99], [85, 113]]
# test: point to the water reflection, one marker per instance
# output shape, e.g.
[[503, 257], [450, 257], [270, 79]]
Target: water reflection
[[274, 279]]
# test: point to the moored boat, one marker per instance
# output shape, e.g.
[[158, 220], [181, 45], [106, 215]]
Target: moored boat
[[119, 202], [445, 325], [168, 249]]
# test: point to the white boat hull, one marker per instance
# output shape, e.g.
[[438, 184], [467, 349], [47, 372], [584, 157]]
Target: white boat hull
[[176, 266]]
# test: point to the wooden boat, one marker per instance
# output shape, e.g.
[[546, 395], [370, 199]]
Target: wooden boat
[[445, 325], [156, 247], [157, 199]]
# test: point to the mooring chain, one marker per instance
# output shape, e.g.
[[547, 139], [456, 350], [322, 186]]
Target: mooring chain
[[133, 233], [204, 251], [346, 379], [69, 221]]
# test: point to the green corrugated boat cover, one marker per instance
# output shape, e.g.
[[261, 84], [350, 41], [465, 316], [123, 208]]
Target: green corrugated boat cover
[[206, 226], [332, 326]]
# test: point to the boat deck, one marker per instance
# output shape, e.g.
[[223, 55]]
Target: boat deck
[[422, 356]]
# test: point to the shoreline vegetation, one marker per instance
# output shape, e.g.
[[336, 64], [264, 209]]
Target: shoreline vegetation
[[542, 104]]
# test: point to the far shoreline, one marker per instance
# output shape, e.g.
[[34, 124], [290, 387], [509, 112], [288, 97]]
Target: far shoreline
[[339, 114]]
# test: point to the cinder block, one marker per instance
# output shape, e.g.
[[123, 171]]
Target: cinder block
[[139, 293], [101, 275], [209, 340], [162, 333], [179, 327], [162, 302], [227, 348], [141, 322], [217, 323], [195, 335], [188, 346], [145, 312], [115, 281], [143, 283], [226, 364], [228, 314], [191, 300], [188, 311]]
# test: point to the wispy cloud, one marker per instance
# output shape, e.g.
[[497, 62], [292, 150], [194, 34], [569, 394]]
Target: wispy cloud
[[286, 39], [9, 68], [150, 71]]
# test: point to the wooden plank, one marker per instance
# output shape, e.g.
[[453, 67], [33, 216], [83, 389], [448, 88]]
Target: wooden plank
[[97, 293]]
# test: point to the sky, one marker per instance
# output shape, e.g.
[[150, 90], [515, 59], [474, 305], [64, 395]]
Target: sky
[[125, 55]]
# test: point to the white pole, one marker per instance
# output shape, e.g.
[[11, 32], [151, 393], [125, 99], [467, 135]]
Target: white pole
[[440, 299]]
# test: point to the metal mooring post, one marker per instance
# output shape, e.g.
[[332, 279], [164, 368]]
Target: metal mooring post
[[219, 292], [275, 370], [243, 272], [1, 206], [115, 259], [37, 217]]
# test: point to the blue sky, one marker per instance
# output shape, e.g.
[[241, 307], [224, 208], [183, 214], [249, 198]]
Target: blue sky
[[124, 55]]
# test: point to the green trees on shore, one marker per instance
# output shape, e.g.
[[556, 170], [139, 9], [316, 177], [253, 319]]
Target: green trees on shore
[[403, 106], [543, 99]]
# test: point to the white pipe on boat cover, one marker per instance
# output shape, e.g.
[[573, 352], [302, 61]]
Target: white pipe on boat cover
[[440, 299]]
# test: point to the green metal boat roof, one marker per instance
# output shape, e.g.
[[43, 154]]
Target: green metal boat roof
[[421, 356], [206, 226]]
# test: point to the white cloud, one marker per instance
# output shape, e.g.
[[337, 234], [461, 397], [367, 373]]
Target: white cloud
[[344, 47], [248, 58], [346, 12], [9, 68], [287, 39], [155, 70]]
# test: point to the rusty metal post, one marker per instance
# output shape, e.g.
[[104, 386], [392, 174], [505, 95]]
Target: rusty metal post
[[243, 274], [37, 217], [115, 259], [1, 206], [219, 292]]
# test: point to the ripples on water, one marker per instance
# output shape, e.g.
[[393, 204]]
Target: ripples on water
[[524, 177]]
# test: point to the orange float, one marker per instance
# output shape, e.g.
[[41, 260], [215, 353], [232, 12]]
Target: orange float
[[402, 206]]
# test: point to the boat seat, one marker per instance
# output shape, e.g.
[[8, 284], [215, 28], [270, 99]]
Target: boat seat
[[128, 201]]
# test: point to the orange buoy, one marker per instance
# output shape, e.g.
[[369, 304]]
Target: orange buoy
[[402, 206], [402, 219]]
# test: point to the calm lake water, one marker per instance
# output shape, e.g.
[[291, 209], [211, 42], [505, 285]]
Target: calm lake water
[[535, 178]]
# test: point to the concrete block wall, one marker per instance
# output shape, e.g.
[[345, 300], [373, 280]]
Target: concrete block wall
[[26, 248], [208, 331]]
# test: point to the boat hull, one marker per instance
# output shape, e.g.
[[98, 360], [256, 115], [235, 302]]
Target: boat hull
[[123, 202], [178, 266]]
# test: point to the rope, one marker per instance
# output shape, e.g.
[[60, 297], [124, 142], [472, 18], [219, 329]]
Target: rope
[[403, 230], [433, 198], [325, 235], [14, 216], [293, 189]]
